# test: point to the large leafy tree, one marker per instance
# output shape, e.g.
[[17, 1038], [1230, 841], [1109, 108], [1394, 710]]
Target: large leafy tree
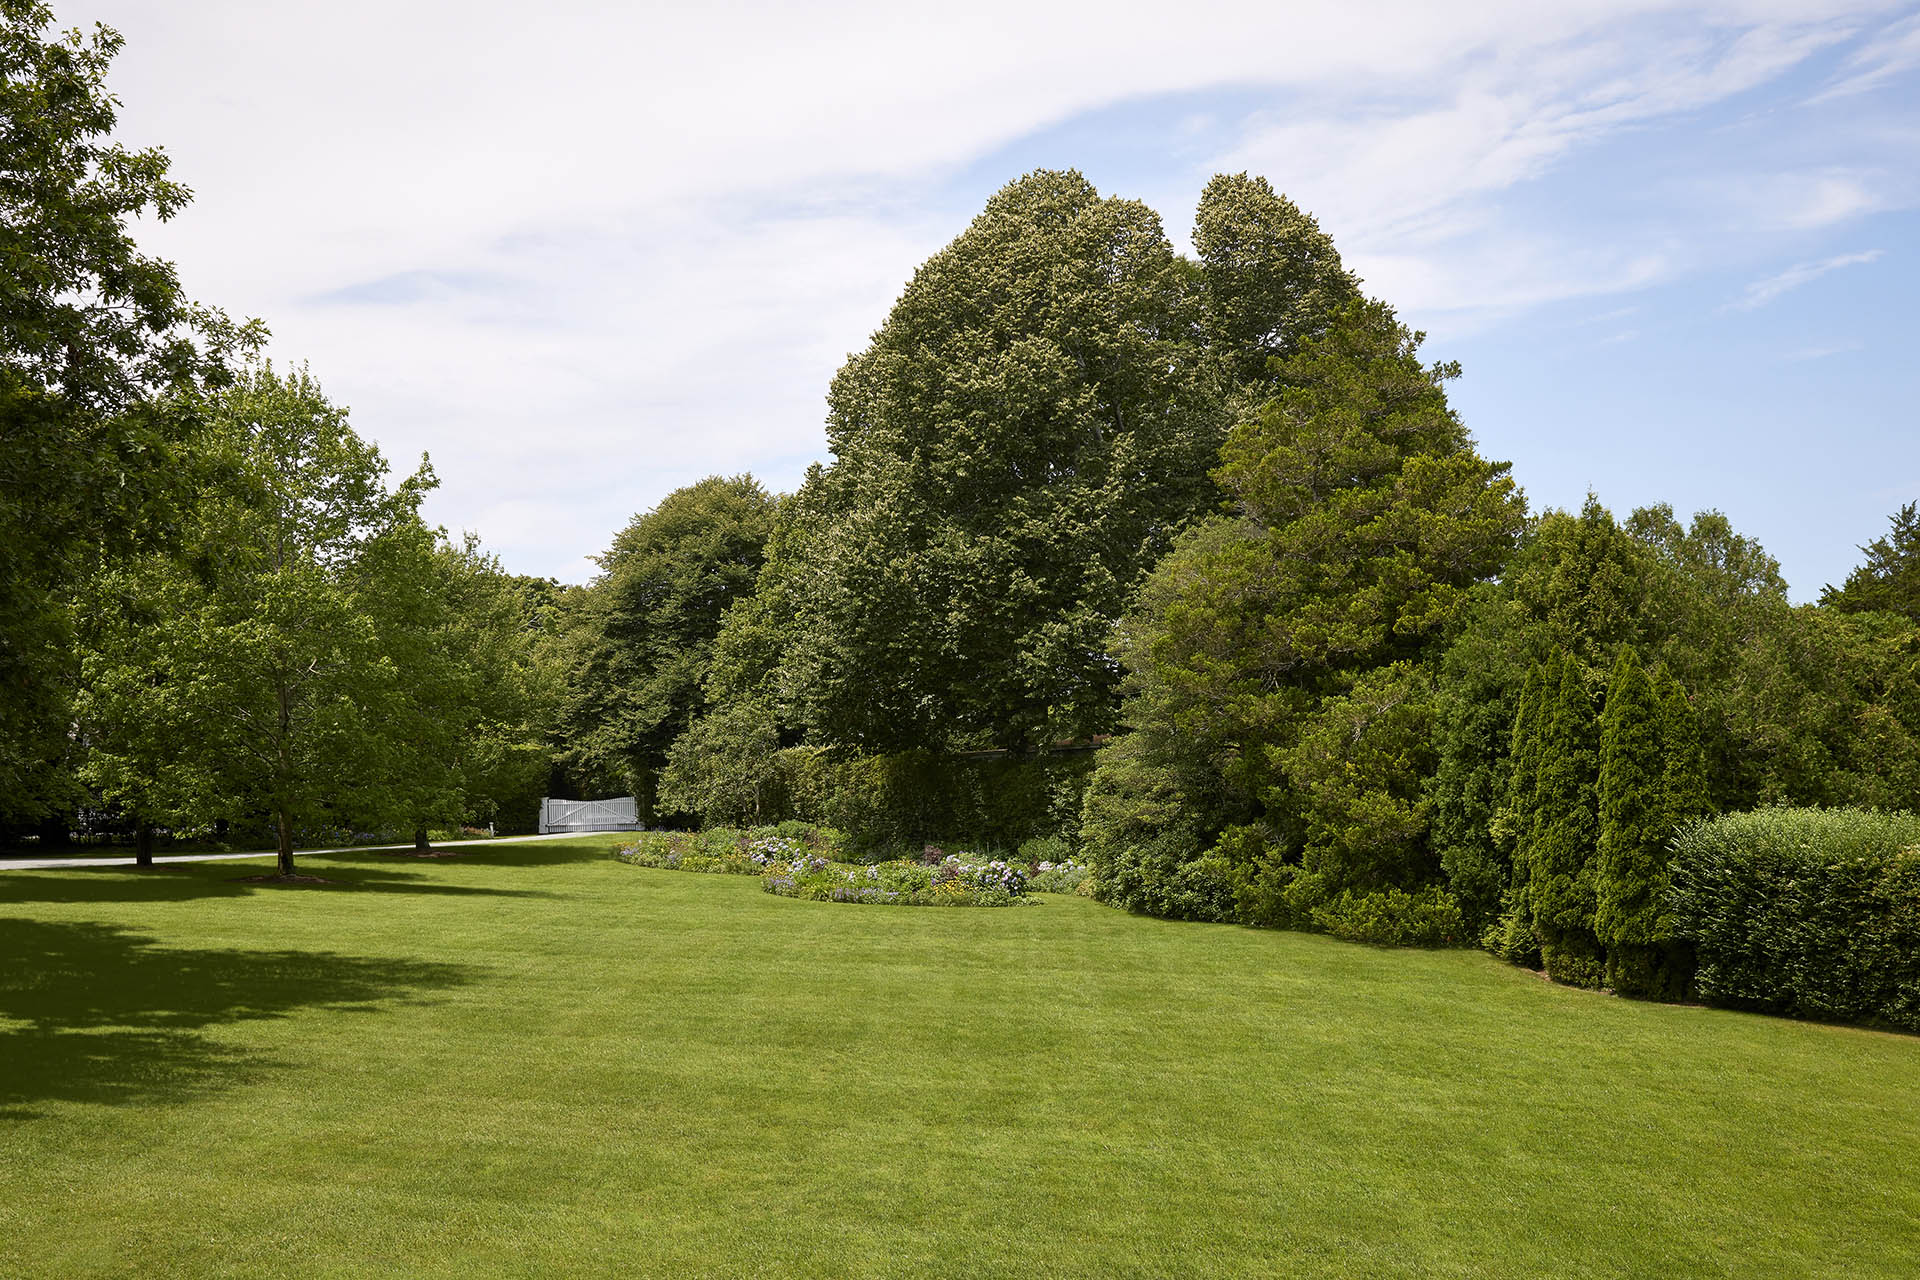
[[1271, 276], [1889, 581], [466, 638], [91, 330], [260, 668], [643, 631], [1014, 448], [1279, 656]]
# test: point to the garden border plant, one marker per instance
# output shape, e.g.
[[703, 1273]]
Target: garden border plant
[[797, 860]]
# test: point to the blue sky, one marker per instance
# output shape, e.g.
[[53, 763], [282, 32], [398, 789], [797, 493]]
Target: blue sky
[[584, 253]]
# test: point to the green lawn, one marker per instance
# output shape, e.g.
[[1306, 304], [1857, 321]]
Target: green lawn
[[533, 1060]]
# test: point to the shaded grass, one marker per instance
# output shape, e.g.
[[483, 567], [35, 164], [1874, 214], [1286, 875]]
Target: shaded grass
[[552, 1063]]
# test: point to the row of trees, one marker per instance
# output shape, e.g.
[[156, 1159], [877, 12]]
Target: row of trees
[[1220, 513], [214, 608], [1016, 448]]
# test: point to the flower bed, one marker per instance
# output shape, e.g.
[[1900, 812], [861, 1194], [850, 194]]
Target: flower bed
[[727, 850], [798, 861], [951, 882]]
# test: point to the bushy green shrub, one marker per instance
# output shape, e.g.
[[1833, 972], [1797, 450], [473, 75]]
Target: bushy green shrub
[[1808, 912], [1511, 937], [1428, 917]]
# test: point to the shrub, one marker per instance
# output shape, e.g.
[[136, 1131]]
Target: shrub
[[1428, 917], [1808, 912], [1512, 938]]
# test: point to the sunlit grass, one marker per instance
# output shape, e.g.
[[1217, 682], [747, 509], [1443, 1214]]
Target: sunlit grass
[[533, 1060]]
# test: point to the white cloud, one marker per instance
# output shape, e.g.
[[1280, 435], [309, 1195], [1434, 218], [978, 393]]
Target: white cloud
[[1892, 52], [1761, 292], [586, 252]]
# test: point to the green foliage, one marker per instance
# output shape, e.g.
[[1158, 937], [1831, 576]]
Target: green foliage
[[643, 631], [1428, 917], [910, 798], [726, 767], [1359, 769], [1636, 821], [1809, 912], [1889, 581], [1561, 824], [93, 334], [258, 668], [1825, 709], [1279, 659], [1271, 276], [1145, 839], [1012, 451]]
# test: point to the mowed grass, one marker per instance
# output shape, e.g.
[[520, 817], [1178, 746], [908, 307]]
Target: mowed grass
[[533, 1060]]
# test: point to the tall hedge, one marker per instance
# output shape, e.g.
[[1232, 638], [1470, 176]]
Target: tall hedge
[[1809, 912]]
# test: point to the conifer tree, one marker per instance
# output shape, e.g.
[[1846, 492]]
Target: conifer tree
[[1688, 790], [1560, 849], [1635, 821], [1511, 939]]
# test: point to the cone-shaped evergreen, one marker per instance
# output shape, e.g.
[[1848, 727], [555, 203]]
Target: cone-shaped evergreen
[[1511, 937], [1630, 872], [1685, 778], [1560, 850]]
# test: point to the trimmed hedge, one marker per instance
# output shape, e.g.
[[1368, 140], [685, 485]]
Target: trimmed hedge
[[1809, 912]]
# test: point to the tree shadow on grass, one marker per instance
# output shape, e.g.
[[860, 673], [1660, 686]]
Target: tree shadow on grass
[[558, 853], [97, 1013], [182, 882]]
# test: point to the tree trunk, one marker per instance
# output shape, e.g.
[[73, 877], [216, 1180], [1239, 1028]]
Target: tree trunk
[[143, 845], [286, 842], [420, 844]]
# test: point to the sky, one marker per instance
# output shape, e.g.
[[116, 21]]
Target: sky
[[585, 253]]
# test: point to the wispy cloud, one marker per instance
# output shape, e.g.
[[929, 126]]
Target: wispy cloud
[[1761, 292], [1888, 54], [653, 253], [1820, 351]]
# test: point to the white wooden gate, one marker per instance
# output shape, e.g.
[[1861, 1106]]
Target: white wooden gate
[[620, 814]]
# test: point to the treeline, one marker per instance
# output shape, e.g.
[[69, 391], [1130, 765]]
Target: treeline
[[217, 616], [1216, 517], [1186, 562]]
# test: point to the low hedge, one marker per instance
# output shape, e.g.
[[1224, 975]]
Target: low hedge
[[1809, 912]]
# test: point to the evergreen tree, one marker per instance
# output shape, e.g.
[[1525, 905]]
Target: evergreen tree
[[1889, 581], [1686, 789], [1630, 869], [1283, 650], [1559, 853]]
